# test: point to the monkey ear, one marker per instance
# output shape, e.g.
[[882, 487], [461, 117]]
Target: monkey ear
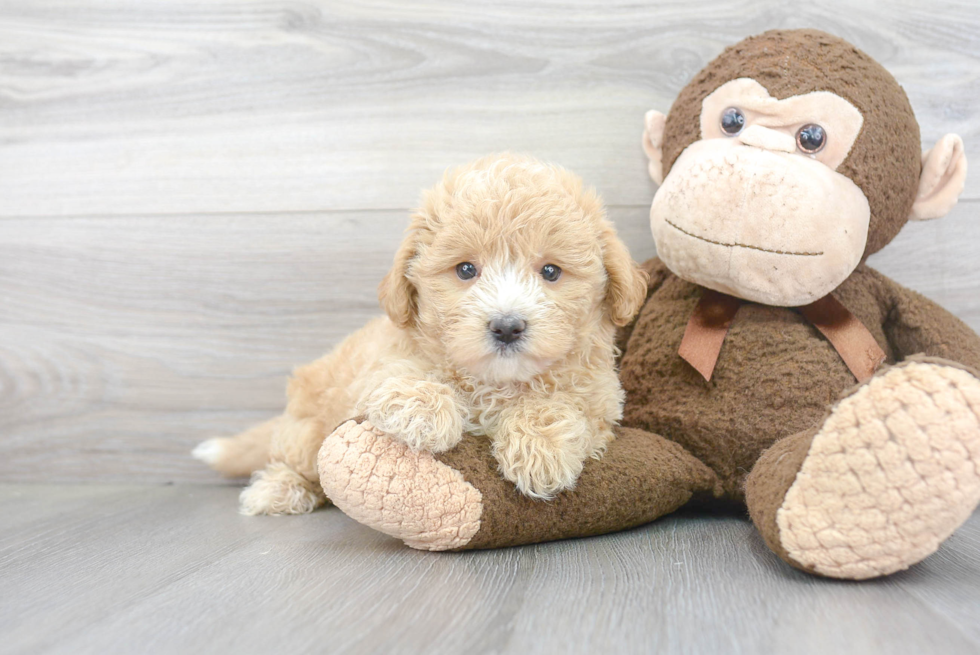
[[627, 286], [653, 139], [942, 179], [396, 293]]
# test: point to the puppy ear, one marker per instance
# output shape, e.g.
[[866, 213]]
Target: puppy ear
[[396, 293], [627, 287]]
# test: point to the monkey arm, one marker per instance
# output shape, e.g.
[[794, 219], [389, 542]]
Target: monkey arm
[[658, 273], [916, 325], [458, 500]]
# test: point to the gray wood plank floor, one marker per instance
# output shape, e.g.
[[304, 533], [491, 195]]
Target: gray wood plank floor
[[173, 569]]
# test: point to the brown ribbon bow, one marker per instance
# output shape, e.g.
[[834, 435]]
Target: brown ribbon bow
[[715, 312]]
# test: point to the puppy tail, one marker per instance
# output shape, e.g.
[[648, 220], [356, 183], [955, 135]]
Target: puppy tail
[[241, 455]]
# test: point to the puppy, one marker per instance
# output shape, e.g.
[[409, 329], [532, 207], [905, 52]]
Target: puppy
[[501, 306]]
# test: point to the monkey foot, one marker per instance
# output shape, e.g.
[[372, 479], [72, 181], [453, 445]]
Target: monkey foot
[[891, 473], [407, 494]]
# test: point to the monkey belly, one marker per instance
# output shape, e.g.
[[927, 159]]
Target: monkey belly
[[776, 376]]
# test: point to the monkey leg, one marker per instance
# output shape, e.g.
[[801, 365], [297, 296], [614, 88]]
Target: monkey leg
[[458, 500], [889, 475]]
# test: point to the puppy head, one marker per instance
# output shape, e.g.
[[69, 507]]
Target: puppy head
[[508, 267]]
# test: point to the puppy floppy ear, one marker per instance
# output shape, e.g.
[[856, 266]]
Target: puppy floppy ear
[[396, 292], [626, 289]]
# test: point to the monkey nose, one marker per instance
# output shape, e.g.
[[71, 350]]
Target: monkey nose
[[507, 329], [767, 139]]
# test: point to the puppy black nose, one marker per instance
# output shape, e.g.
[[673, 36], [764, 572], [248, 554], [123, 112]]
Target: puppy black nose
[[507, 329]]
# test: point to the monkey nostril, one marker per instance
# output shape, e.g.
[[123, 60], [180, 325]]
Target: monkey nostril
[[507, 329]]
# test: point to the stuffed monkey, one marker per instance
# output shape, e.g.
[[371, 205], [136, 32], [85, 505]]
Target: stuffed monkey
[[769, 365]]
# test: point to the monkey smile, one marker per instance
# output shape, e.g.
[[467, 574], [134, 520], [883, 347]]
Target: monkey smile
[[741, 245]]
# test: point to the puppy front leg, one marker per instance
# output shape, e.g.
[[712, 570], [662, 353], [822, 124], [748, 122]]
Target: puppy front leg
[[541, 445], [425, 415]]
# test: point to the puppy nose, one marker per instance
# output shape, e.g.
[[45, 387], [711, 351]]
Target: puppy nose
[[507, 329]]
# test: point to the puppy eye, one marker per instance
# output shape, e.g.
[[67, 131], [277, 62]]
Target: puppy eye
[[732, 121], [811, 138], [466, 271], [550, 272]]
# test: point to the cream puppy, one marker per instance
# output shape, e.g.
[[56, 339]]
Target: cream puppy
[[502, 307]]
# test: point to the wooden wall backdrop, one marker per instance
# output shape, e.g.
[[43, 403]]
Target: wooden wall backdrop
[[197, 196]]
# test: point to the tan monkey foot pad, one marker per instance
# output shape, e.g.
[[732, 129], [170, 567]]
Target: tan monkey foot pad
[[893, 472], [385, 485]]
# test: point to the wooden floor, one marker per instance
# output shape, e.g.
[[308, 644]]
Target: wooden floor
[[173, 569], [196, 196]]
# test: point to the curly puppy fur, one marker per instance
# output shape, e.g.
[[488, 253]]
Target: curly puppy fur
[[431, 370]]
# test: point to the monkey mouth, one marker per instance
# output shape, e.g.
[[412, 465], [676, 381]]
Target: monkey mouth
[[741, 245]]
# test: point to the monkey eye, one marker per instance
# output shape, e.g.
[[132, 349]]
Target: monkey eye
[[550, 272], [811, 138], [466, 271], [732, 121]]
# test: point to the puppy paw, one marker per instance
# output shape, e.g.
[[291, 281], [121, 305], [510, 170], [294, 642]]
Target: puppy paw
[[278, 490], [424, 415], [539, 469], [542, 450]]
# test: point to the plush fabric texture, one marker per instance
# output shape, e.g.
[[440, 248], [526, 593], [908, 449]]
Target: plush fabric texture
[[855, 345], [769, 226], [775, 376], [767, 484], [641, 477], [458, 500], [712, 316], [884, 161], [383, 484], [832, 112], [892, 472]]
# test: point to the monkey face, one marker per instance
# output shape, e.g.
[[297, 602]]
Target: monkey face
[[789, 159], [756, 208]]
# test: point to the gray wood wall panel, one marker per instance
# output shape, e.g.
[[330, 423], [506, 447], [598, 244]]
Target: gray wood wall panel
[[195, 197], [113, 107]]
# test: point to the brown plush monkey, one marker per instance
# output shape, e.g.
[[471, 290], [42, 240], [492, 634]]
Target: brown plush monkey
[[769, 365]]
